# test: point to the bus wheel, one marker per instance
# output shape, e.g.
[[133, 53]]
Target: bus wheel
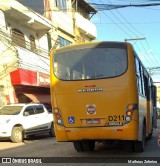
[[88, 145], [139, 145], [78, 146], [52, 132], [150, 136], [129, 146]]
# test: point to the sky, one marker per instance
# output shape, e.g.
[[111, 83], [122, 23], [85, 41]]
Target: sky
[[132, 23]]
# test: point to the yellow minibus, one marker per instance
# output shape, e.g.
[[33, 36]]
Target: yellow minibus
[[101, 91]]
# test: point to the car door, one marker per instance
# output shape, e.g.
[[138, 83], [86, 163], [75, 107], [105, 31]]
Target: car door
[[30, 120], [42, 118]]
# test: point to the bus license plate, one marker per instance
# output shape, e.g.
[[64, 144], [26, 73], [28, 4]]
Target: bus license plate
[[93, 121]]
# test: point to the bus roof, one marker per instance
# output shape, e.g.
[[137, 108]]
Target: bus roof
[[92, 45]]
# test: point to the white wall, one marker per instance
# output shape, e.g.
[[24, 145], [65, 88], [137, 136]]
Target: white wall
[[32, 61]]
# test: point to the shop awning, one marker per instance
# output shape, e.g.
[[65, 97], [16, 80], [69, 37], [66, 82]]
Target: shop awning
[[39, 98]]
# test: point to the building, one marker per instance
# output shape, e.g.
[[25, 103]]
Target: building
[[27, 35], [71, 18], [24, 60]]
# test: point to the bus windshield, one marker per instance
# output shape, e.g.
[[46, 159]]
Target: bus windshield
[[90, 63]]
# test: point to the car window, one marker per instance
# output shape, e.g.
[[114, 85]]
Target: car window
[[10, 110], [30, 110], [39, 109]]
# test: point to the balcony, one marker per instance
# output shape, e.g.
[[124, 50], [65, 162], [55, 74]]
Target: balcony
[[22, 54], [64, 21], [85, 26], [18, 40], [25, 17]]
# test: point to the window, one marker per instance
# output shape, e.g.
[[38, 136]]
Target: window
[[63, 42], [146, 86], [61, 4], [18, 38], [39, 109], [10, 110], [138, 74], [141, 78], [32, 43], [90, 63], [30, 110], [137, 67]]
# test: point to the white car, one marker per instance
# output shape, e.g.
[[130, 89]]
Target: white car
[[18, 121]]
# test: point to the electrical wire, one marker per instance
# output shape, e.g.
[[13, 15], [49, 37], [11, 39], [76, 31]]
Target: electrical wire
[[115, 23], [124, 24], [131, 30], [143, 23], [155, 62]]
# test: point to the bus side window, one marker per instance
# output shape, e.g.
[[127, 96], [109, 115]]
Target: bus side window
[[143, 83], [138, 75], [146, 87]]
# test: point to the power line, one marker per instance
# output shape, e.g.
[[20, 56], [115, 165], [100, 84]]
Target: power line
[[152, 54], [125, 25], [132, 32], [120, 20], [142, 23], [147, 54], [149, 61], [116, 24], [103, 6], [139, 33]]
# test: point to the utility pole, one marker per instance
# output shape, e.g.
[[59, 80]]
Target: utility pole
[[134, 39]]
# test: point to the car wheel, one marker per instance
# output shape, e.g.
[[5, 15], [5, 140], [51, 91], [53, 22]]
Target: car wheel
[[17, 134], [52, 132]]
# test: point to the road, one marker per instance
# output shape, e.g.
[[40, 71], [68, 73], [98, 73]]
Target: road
[[45, 146]]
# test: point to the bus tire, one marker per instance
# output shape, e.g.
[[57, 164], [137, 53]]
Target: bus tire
[[150, 136], [78, 146], [51, 131], [17, 134], [139, 145], [88, 145], [129, 146]]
